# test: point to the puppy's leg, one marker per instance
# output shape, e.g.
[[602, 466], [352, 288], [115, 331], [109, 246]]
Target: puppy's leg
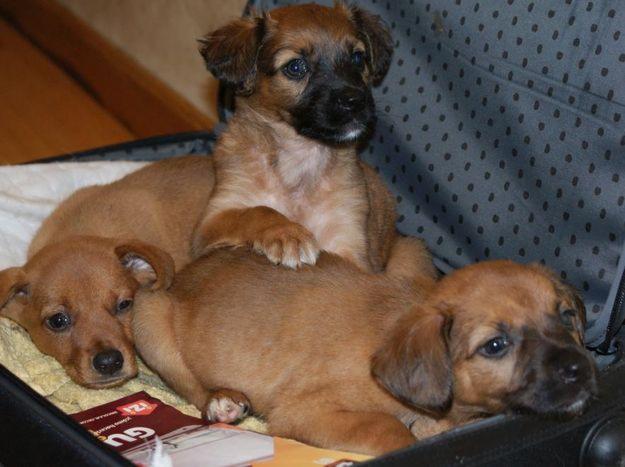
[[263, 228], [425, 427], [157, 345], [410, 260], [215, 405], [381, 231], [371, 433], [388, 251]]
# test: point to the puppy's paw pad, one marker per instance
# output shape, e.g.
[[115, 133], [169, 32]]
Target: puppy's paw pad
[[226, 409]]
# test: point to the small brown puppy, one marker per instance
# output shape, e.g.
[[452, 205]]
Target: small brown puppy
[[74, 299], [288, 180], [342, 359], [74, 293]]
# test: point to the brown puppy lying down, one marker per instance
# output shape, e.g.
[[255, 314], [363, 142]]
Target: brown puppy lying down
[[85, 264], [159, 204], [338, 358]]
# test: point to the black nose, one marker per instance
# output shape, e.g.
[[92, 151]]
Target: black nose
[[350, 99], [108, 362], [569, 372], [569, 365]]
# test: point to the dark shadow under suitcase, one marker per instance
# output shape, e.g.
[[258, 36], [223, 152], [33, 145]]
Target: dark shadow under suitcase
[[500, 132]]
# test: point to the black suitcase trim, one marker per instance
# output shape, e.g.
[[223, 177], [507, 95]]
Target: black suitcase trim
[[35, 432]]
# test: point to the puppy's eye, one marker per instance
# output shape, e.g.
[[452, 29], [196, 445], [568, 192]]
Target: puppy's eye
[[358, 59], [496, 347], [567, 317], [123, 305], [296, 69], [59, 321]]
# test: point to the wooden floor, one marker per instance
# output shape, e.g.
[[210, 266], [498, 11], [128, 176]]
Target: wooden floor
[[43, 111]]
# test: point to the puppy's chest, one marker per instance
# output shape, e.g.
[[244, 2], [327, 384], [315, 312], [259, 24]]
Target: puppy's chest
[[334, 212]]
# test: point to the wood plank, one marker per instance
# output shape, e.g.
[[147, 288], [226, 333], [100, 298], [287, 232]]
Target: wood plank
[[140, 100], [43, 112]]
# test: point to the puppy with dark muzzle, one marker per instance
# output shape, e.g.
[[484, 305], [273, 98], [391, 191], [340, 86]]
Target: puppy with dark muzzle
[[344, 359], [288, 180], [513, 339]]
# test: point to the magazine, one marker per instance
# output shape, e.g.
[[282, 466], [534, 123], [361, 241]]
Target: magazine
[[143, 428]]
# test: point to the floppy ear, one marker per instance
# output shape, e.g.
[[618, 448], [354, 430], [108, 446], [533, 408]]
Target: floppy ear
[[230, 52], [378, 40], [414, 363], [12, 284], [151, 266], [570, 300]]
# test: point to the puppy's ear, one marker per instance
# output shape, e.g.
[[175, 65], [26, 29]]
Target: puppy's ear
[[230, 52], [13, 285], [570, 304], [150, 266], [572, 308], [378, 40], [414, 363]]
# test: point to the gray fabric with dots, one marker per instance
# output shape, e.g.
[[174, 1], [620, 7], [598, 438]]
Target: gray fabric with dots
[[502, 133]]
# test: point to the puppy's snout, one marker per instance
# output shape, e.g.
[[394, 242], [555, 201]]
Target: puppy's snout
[[571, 367], [350, 99], [108, 362], [569, 373]]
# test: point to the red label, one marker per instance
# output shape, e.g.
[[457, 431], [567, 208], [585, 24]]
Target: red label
[[139, 407]]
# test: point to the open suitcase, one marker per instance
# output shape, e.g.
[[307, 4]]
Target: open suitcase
[[501, 131]]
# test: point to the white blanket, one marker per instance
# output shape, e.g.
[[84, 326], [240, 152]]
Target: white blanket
[[28, 193]]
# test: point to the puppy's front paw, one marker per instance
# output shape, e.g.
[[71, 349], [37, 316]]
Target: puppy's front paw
[[422, 429], [226, 406], [290, 245]]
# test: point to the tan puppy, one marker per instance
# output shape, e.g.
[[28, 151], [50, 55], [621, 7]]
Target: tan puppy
[[342, 359], [288, 180], [91, 255], [74, 299], [158, 204]]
